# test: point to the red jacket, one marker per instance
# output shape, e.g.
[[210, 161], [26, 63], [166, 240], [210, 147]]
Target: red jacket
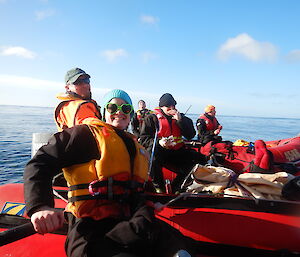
[[211, 124], [165, 130]]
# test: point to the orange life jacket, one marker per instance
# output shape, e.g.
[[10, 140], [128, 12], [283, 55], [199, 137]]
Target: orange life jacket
[[97, 187], [72, 111]]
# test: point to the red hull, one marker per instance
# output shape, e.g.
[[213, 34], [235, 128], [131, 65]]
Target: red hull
[[239, 228], [49, 245], [270, 225]]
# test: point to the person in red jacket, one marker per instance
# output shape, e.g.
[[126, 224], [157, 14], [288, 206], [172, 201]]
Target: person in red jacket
[[171, 128], [208, 126], [77, 103]]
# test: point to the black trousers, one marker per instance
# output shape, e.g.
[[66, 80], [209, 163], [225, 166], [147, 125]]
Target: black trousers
[[141, 236], [180, 161]]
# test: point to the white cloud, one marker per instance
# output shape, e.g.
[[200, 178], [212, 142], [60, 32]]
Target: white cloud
[[29, 91], [149, 19], [17, 51], [293, 56], [247, 47], [29, 83], [113, 55], [148, 56], [41, 15]]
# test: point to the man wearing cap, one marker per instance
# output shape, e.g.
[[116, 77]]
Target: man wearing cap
[[170, 126], [77, 104], [208, 126]]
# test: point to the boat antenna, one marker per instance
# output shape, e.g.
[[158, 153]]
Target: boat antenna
[[187, 110]]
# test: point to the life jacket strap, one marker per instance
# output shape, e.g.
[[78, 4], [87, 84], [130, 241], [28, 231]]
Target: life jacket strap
[[109, 189], [104, 183], [116, 197]]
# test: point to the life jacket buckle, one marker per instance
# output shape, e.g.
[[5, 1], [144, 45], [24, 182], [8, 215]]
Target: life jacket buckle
[[95, 189]]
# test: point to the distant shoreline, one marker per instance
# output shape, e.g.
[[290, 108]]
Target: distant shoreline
[[233, 116]]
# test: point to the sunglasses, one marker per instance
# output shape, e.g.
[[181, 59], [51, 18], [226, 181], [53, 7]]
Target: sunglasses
[[82, 81], [113, 108]]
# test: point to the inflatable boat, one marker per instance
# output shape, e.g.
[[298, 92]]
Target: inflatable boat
[[219, 226]]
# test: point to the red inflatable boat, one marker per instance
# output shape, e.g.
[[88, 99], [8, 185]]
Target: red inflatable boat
[[219, 225]]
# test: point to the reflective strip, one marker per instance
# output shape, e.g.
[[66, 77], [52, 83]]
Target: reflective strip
[[178, 140]]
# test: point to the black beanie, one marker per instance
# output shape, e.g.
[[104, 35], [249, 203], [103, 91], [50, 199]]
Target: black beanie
[[167, 100]]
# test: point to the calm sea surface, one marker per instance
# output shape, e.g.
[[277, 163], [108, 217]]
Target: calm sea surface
[[18, 123]]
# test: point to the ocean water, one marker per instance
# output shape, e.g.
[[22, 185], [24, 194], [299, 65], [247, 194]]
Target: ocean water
[[18, 123]]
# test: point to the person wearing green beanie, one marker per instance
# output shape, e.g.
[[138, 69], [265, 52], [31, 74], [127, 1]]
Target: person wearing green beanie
[[106, 169], [120, 94], [116, 93]]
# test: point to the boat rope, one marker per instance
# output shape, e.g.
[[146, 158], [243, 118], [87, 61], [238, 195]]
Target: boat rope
[[181, 195], [189, 175]]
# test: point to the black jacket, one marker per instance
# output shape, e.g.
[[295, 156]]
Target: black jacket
[[136, 128], [148, 129], [72, 146]]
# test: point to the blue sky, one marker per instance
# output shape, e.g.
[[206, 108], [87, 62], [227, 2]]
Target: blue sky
[[241, 56]]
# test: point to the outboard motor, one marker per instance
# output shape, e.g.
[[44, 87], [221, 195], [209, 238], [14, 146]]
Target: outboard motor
[[38, 140]]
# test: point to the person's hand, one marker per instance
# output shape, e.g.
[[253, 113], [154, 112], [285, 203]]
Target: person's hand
[[167, 142], [217, 131], [175, 114], [47, 220], [163, 142]]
